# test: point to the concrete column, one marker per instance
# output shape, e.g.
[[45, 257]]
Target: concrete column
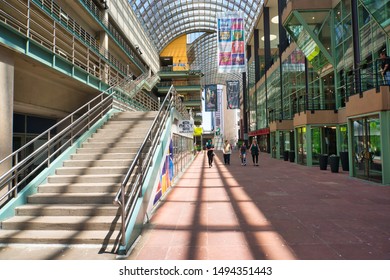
[[6, 108], [103, 45]]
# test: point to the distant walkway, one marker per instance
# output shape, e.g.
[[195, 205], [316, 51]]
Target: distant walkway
[[278, 210]]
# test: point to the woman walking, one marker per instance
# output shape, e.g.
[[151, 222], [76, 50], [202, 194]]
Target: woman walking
[[210, 152], [227, 150], [243, 154], [254, 148]]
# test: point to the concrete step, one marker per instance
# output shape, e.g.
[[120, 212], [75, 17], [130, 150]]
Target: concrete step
[[106, 138], [60, 223], [97, 163], [94, 145], [91, 170], [92, 178], [127, 125], [72, 198], [112, 156], [78, 188], [66, 210], [107, 150], [134, 115], [141, 131], [58, 236]]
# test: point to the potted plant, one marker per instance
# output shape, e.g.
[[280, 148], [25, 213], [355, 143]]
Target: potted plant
[[344, 160], [334, 162], [323, 161]]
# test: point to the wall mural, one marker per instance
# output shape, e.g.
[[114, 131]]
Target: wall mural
[[166, 174]]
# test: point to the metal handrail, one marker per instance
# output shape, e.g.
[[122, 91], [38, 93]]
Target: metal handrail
[[128, 193], [366, 76], [74, 125]]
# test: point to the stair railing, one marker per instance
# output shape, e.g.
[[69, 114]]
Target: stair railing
[[29, 160], [131, 187]]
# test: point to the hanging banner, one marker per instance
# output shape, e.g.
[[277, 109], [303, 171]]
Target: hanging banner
[[210, 98], [231, 42], [233, 94]]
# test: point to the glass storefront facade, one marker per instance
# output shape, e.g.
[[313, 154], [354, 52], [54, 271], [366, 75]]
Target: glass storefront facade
[[319, 74]]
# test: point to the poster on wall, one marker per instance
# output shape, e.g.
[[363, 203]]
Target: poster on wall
[[186, 126], [233, 94], [210, 92], [166, 175], [231, 42]]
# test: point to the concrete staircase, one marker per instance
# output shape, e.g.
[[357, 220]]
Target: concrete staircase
[[75, 206]]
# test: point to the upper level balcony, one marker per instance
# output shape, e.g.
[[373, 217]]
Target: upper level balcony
[[309, 24], [170, 72], [180, 85]]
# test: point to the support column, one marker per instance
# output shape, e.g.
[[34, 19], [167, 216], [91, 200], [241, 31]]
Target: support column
[[267, 41], [385, 153], [245, 113], [356, 46], [103, 46], [256, 53], [6, 108]]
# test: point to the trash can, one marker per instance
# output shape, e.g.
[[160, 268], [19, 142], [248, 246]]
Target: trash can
[[323, 162], [285, 155], [291, 155], [334, 162]]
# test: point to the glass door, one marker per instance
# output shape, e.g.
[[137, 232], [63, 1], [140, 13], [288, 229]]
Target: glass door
[[367, 148]]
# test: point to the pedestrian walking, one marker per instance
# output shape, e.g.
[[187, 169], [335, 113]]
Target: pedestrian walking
[[227, 150], [254, 149], [210, 152], [243, 154]]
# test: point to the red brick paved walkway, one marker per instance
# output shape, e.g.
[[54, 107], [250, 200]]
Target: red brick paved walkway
[[278, 210]]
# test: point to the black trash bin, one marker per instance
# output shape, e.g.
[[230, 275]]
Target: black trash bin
[[285, 155], [344, 161], [323, 162], [334, 162], [291, 155]]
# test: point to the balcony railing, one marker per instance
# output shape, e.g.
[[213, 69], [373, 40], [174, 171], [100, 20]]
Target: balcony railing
[[47, 25], [366, 77], [113, 32]]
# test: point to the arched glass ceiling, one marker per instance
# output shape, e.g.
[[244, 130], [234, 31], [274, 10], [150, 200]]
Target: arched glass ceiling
[[165, 20], [199, 54]]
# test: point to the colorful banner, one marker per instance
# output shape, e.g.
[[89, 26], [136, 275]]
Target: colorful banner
[[231, 42], [166, 175], [210, 92], [233, 94]]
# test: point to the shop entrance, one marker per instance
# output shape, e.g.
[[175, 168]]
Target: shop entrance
[[367, 160]]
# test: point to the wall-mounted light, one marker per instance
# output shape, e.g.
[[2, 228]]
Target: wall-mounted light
[[275, 19]]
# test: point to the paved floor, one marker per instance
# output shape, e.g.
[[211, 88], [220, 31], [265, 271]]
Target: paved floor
[[277, 210]]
